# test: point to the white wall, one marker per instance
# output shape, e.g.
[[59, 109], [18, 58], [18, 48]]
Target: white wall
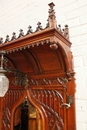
[[17, 14]]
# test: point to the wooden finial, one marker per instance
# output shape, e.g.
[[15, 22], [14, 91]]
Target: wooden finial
[[39, 27], [13, 36], [1, 40], [52, 17], [59, 28], [51, 5], [21, 34], [29, 30], [66, 30], [47, 25], [7, 39]]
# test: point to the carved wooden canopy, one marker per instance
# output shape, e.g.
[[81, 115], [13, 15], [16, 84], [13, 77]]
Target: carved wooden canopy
[[26, 51], [44, 56]]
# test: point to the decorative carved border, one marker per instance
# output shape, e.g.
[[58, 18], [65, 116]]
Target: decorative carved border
[[51, 22], [42, 81], [42, 42]]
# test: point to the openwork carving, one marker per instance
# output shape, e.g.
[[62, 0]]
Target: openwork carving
[[46, 98], [39, 27], [8, 101], [6, 119], [14, 36], [21, 34], [29, 30], [20, 78], [64, 32], [46, 81], [7, 39]]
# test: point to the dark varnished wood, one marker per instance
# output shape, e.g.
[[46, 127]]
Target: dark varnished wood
[[45, 57]]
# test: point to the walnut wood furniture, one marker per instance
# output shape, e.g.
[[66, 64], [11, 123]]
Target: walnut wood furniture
[[44, 74]]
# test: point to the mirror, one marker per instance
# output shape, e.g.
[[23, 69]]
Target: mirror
[[27, 117]]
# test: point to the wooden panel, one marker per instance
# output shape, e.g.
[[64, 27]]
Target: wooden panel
[[50, 60], [32, 125], [17, 116], [8, 101], [21, 61], [51, 101]]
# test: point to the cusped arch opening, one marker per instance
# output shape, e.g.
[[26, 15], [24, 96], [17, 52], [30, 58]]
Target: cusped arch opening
[[25, 110]]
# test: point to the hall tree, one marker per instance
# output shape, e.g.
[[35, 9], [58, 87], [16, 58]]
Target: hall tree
[[39, 67]]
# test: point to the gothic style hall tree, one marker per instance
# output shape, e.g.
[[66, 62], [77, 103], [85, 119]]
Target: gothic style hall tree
[[39, 68]]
